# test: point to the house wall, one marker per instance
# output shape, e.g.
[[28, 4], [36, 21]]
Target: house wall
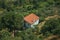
[[27, 25], [35, 23]]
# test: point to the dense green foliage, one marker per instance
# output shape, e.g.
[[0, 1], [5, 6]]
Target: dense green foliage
[[12, 13], [52, 26]]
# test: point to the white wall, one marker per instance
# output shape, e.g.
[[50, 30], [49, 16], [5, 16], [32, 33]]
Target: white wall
[[31, 25], [35, 23]]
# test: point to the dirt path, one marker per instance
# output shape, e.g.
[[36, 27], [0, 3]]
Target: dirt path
[[42, 23], [55, 37]]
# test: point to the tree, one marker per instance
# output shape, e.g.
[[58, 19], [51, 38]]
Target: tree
[[28, 34], [12, 21], [51, 26]]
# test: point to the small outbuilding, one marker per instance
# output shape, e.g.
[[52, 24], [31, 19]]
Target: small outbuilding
[[31, 20]]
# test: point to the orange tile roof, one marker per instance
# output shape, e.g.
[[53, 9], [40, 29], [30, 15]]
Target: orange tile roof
[[31, 18]]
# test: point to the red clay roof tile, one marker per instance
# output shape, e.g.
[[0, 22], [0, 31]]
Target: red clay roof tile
[[31, 18]]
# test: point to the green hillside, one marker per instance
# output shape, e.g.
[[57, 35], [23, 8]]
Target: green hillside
[[12, 13]]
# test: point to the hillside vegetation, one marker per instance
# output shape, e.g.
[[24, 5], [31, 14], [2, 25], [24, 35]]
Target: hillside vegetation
[[12, 13]]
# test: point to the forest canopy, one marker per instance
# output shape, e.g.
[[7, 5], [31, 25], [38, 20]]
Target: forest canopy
[[12, 13]]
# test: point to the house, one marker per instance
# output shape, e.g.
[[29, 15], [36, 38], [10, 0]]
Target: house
[[31, 20]]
